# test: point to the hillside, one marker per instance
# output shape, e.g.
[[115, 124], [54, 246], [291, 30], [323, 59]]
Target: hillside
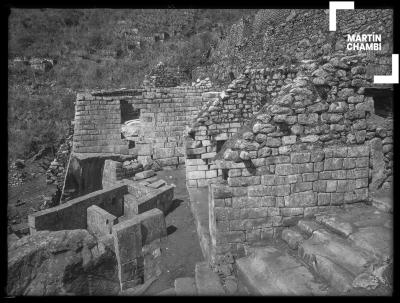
[[94, 48]]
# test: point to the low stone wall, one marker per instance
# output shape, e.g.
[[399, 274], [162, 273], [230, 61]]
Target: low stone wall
[[260, 197], [140, 197], [137, 243], [73, 214], [84, 174]]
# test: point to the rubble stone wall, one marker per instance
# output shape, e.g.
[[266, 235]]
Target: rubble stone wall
[[226, 114], [306, 151], [299, 34]]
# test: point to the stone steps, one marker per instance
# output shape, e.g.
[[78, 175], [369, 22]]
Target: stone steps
[[205, 283], [345, 247], [185, 287], [270, 270]]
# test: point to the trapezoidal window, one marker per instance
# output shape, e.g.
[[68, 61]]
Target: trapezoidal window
[[383, 100]]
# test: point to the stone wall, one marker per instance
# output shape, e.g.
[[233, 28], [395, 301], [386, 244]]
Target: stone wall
[[258, 200], [98, 124], [225, 114], [73, 214], [163, 76], [275, 36], [304, 152], [137, 243], [164, 115]]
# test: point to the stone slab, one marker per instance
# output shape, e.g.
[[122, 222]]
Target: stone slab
[[207, 281], [375, 239], [167, 292], [335, 224], [338, 250], [199, 208], [99, 221], [271, 271], [185, 287], [292, 237], [157, 184]]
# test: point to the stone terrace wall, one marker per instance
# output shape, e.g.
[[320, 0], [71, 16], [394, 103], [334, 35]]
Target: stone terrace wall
[[163, 76], [304, 153], [165, 113], [224, 115], [277, 36]]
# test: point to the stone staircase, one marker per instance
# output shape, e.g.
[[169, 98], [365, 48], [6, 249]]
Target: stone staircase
[[205, 283], [342, 253]]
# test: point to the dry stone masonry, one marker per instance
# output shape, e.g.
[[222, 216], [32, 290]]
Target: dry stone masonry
[[225, 114], [128, 213], [303, 153], [276, 36]]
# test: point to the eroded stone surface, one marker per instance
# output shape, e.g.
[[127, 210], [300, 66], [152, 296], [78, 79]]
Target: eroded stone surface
[[270, 271], [207, 282]]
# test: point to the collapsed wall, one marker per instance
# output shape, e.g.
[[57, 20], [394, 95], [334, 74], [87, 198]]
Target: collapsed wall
[[306, 152]]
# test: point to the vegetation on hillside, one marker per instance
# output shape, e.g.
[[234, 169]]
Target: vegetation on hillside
[[95, 48]]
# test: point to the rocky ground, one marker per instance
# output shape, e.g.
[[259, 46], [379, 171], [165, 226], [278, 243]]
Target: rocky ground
[[27, 191], [181, 250]]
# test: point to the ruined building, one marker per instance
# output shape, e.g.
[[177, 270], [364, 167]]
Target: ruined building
[[285, 166]]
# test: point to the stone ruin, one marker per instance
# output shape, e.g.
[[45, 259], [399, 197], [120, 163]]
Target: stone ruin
[[284, 168]]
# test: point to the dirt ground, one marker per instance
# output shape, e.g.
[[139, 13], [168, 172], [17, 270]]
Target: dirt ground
[[182, 249], [26, 197]]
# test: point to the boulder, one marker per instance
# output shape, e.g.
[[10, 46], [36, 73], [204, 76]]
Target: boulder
[[60, 262]]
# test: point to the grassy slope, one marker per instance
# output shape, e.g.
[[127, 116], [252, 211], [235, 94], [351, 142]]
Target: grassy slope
[[41, 104]]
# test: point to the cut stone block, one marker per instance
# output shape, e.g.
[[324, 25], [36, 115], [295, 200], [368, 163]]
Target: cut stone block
[[167, 292], [334, 258], [144, 174], [375, 239], [144, 198], [127, 240], [157, 184], [335, 224], [308, 226], [185, 287], [99, 221], [207, 281], [152, 225], [271, 271], [292, 238]]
